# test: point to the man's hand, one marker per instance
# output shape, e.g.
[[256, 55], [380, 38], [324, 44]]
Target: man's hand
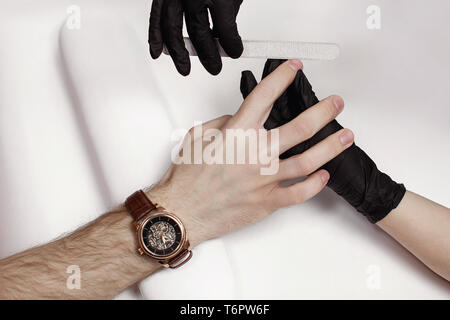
[[210, 199], [166, 27], [215, 199]]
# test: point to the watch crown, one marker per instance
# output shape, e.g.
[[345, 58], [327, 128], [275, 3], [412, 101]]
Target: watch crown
[[140, 251]]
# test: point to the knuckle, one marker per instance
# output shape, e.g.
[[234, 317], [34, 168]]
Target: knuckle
[[329, 109], [305, 165], [303, 129], [297, 195], [274, 201], [191, 131], [336, 145], [225, 119]]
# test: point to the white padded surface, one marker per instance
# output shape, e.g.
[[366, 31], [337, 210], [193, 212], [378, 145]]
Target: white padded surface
[[73, 117], [130, 130]]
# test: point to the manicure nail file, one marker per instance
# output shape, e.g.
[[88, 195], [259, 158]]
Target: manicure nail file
[[277, 50]]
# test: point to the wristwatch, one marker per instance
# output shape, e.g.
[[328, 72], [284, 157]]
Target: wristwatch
[[161, 235]]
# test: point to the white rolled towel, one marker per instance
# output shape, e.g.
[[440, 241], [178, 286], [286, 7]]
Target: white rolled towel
[[127, 130]]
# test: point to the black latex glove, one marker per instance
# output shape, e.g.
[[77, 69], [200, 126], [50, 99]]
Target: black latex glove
[[166, 27], [353, 175]]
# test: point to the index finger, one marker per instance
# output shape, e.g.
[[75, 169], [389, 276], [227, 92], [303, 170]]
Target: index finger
[[223, 13], [256, 107]]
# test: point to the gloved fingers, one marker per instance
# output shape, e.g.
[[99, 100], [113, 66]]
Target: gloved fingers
[[237, 6], [301, 191], [314, 158], [301, 89], [248, 83], [154, 32], [223, 14], [197, 23], [306, 97], [172, 32], [308, 123], [257, 105]]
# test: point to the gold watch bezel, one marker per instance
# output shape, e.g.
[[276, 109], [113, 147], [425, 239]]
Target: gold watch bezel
[[150, 216]]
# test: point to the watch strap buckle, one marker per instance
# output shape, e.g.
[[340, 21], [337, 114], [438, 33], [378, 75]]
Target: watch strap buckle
[[180, 259]]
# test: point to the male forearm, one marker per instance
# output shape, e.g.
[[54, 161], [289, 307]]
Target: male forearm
[[104, 251], [422, 227]]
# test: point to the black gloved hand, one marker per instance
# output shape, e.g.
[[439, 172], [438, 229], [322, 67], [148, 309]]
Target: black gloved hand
[[353, 175], [166, 27]]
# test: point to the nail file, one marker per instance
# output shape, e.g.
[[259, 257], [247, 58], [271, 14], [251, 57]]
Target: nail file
[[277, 50]]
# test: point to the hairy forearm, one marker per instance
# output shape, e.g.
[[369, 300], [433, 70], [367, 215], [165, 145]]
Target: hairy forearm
[[422, 227], [104, 251]]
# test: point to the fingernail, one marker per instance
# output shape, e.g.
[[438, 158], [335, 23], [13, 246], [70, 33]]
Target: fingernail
[[325, 176], [346, 137], [338, 103], [295, 64]]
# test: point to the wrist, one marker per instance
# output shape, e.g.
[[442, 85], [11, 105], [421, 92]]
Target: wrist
[[161, 196], [370, 191], [126, 243]]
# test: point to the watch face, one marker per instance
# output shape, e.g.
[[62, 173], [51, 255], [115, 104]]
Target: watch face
[[161, 235]]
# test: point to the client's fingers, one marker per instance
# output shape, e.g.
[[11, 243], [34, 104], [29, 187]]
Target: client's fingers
[[308, 123], [256, 106], [306, 163], [248, 83]]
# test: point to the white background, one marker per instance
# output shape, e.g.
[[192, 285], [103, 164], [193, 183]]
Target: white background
[[78, 106]]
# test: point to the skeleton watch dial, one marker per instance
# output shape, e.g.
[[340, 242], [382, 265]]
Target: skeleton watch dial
[[161, 235]]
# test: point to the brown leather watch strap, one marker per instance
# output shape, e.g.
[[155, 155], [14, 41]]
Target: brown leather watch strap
[[178, 261], [138, 204]]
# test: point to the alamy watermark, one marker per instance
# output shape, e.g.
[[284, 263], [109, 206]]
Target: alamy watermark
[[73, 281], [229, 146], [73, 21], [374, 17], [373, 280]]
